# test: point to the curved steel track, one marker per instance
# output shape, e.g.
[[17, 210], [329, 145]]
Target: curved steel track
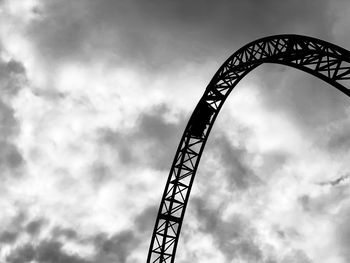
[[324, 60]]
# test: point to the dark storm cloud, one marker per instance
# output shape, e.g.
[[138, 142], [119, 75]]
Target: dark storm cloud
[[145, 220], [155, 34], [108, 247], [235, 238], [159, 32], [12, 77], [308, 101], [153, 130], [34, 227], [9, 124], [233, 159], [8, 237], [339, 139], [10, 157], [15, 67], [116, 248], [46, 252], [68, 233], [19, 225], [24, 253]]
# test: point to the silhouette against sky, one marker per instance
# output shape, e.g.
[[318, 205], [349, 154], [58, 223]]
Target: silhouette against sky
[[95, 96]]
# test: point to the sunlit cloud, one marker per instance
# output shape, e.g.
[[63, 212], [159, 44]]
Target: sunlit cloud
[[95, 96]]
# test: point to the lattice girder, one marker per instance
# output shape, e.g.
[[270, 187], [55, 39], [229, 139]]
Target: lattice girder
[[319, 58]]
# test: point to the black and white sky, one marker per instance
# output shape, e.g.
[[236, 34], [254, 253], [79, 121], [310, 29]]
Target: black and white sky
[[94, 97]]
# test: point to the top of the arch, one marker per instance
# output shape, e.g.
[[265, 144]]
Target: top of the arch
[[317, 57]]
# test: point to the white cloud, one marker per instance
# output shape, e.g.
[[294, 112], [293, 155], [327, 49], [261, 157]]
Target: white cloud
[[65, 104]]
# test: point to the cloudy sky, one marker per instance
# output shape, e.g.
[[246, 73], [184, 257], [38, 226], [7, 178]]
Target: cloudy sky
[[94, 97]]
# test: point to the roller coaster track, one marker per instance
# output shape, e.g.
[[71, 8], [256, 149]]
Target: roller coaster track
[[324, 60]]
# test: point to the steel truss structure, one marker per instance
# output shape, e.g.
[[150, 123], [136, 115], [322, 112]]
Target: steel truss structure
[[324, 60]]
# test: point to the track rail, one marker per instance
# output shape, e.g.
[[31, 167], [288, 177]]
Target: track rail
[[324, 60]]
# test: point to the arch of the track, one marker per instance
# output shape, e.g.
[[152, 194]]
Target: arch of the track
[[324, 60]]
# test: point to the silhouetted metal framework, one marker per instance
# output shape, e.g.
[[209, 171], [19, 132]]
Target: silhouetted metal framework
[[319, 58]]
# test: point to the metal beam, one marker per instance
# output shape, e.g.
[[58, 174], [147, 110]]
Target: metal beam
[[319, 58]]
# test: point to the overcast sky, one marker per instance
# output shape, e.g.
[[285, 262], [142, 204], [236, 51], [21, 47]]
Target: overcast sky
[[95, 96]]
